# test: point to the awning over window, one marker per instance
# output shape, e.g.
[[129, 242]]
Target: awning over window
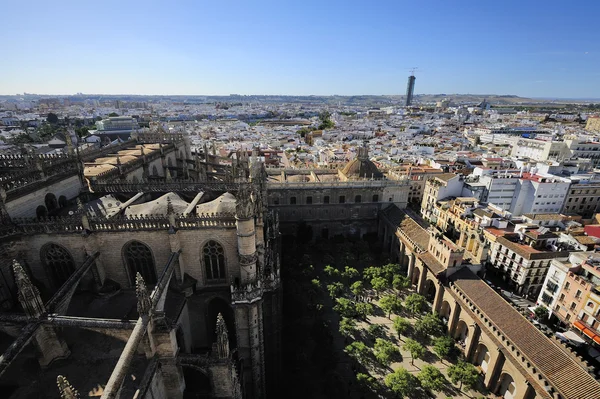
[[593, 335]]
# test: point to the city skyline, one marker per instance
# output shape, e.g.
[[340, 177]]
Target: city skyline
[[308, 49]]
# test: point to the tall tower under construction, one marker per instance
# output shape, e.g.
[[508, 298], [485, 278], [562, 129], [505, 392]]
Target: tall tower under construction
[[410, 88]]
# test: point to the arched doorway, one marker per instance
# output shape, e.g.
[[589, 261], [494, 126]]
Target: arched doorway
[[430, 290], [138, 259], [462, 332], [507, 388], [445, 311], [51, 202], [416, 276], [58, 262], [197, 383], [482, 357], [62, 201], [214, 307]]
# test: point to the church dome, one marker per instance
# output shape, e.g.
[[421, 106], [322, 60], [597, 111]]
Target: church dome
[[361, 166]]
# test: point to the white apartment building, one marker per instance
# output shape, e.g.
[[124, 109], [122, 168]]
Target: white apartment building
[[519, 193], [539, 150], [580, 148], [539, 194], [525, 257]]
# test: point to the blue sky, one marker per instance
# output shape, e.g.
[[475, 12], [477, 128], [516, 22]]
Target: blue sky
[[528, 48]]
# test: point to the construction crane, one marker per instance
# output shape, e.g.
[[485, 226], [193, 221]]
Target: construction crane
[[412, 70]]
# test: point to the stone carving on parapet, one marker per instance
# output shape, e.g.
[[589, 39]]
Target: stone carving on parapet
[[65, 389], [144, 304]]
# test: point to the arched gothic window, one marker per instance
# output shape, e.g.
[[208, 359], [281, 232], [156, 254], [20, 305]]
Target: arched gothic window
[[138, 259], [214, 261], [58, 262]]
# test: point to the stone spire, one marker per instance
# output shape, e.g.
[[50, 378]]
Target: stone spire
[[65, 389], [222, 338], [69, 141], [144, 304], [244, 204], [28, 294]]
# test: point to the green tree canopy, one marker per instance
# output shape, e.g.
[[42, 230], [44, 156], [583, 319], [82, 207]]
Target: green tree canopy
[[364, 309], [390, 304], [431, 378], [401, 325], [345, 307], [376, 330], [371, 272], [303, 131], [391, 270], [379, 284], [385, 351], [463, 373], [442, 346], [335, 289], [400, 282], [349, 274], [359, 351], [416, 349], [430, 324], [415, 303], [401, 382], [347, 327], [358, 289], [541, 313]]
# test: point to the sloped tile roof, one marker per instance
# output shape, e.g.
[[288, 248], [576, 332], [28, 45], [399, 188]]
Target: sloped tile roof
[[562, 371]]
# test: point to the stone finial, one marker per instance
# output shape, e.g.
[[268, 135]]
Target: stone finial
[[80, 207], [144, 304], [222, 338], [28, 294], [65, 389], [170, 209]]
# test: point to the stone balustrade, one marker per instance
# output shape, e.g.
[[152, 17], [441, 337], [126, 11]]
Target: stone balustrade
[[75, 224]]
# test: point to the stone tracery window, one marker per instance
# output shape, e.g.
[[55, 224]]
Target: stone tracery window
[[59, 263], [138, 259], [214, 261]]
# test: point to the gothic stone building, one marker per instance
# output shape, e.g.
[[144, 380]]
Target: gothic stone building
[[138, 270]]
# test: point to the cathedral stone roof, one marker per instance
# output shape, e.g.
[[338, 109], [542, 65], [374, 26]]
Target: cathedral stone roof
[[223, 204], [361, 166], [158, 206]]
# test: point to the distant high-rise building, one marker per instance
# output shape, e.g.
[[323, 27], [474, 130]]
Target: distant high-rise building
[[410, 88]]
